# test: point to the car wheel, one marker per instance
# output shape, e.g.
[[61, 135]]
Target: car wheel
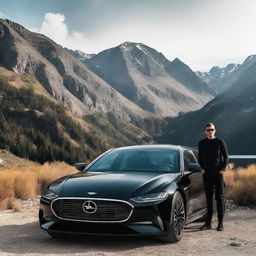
[[177, 220]]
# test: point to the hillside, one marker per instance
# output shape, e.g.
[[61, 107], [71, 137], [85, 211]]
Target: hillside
[[7, 159], [34, 125], [233, 112]]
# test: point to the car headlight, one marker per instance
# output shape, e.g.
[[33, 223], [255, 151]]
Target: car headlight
[[49, 195], [155, 197]]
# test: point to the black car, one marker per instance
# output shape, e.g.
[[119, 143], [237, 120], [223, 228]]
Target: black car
[[136, 190]]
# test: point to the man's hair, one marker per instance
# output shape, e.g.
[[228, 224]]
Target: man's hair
[[209, 124]]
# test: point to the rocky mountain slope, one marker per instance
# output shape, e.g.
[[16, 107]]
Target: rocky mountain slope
[[62, 75], [131, 80], [233, 112], [147, 78], [34, 125]]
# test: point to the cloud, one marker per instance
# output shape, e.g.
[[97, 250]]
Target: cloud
[[54, 27]]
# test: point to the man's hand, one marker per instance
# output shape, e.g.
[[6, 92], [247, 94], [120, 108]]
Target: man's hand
[[222, 172], [202, 171]]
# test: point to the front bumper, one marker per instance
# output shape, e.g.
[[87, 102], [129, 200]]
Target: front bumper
[[144, 220]]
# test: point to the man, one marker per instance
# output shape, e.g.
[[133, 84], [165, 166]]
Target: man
[[213, 159]]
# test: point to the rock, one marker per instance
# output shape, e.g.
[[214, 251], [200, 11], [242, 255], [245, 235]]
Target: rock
[[235, 244]]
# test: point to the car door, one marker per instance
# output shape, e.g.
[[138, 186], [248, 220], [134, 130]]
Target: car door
[[196, 196]]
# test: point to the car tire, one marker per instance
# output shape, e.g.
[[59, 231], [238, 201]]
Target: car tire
[[177, 220]]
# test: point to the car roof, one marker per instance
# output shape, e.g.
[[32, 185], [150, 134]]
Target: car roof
[[156, 146]]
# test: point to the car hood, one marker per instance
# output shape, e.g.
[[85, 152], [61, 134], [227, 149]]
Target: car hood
[[119, 185]]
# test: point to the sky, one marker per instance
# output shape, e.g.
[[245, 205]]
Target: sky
[[201, 33]]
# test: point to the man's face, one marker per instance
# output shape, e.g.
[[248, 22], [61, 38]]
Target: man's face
[[210, 131]]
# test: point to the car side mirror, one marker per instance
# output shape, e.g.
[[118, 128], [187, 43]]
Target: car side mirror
[[80, 166], [194, 168]]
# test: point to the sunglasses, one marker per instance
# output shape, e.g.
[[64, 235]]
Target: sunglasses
[[210, 130]]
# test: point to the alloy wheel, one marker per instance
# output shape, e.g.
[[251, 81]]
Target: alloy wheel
[[179, 216]]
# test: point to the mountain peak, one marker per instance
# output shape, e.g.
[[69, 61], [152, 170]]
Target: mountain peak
[[214, 69], [17, 27], [150, 80], [250, 59], [177, 63], [177, 60], [130, 45], [80, 54]]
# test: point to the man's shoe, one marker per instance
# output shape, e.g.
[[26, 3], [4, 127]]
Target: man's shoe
[[220, 226], [206, 226]]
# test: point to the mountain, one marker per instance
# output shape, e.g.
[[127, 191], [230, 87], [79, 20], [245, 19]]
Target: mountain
[[220, 79], [146, 84], [61, 74], [81, 55], [34, 125], [233, 112], [147, 78]]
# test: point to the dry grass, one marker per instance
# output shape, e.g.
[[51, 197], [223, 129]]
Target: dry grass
[[28, 182], [241, 185], [57, 170], [9, 203]]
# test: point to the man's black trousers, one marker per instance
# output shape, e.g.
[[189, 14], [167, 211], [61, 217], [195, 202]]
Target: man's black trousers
[[214, 182]]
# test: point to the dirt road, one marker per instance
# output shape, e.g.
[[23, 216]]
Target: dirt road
[[20, 234]]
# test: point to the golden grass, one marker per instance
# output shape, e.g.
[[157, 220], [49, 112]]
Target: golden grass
[[10, 203], [28, 182], [241, 185], [57, 170]]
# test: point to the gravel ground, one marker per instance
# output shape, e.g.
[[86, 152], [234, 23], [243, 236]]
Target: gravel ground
[[20, 234]]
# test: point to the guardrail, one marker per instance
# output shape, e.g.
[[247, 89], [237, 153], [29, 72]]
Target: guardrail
[[242, 156]]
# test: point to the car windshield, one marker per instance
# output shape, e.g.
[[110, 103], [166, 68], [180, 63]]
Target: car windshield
[[151, 160]]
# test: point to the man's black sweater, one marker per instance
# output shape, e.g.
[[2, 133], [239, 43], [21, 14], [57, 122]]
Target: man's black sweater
[[212, 155]]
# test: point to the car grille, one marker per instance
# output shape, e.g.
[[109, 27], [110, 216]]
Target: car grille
[[107, 210]]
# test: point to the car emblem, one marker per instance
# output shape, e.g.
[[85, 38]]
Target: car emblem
[[89, 207], [92, 193]]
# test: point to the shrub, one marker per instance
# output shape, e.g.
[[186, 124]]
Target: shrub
[[25, 185], [241, 185], [57, 170], [27, 182], [9, 203]]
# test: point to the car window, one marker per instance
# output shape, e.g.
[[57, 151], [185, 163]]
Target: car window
[[188, 158], [138, 160], [195, 154]]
